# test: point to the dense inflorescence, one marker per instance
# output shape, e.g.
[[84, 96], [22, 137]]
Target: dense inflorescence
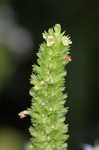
[[47, 111]]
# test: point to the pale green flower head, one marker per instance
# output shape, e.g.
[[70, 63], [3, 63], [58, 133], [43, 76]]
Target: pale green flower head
[[54, 35]]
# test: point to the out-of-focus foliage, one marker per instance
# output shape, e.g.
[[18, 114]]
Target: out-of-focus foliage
[[11, 139], [15, 41], [6, 66]]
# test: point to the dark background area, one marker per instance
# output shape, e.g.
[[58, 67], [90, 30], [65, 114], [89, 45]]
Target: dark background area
[[21, 26]]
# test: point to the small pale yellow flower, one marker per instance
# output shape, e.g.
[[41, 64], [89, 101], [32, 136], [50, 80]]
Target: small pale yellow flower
[[50, 109], [52, 127], [66, 41], [42, 82], [50, 40], [36, 87]]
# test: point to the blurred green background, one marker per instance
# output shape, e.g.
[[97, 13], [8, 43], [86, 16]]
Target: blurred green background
[[21, 25]]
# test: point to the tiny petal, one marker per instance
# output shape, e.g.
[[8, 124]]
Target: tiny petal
[[44, 37], [23, 114], [50, 40], [42, 104], [68, 58], [66, 41]]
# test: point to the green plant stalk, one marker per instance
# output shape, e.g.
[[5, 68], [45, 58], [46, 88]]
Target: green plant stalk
[[48, 130]]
